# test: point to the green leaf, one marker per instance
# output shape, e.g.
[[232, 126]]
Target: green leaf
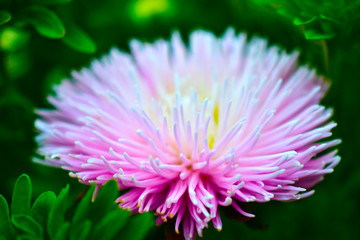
[[5, 225], [298, 21], [79, 40], [45, 22], [62, 232], [312, 34], [138, 226], [104, 201], [5, 16], [42, 206], [57, 214], [329, 19], [83, 209], [80, 231], [21, 196], [50, 2], [27, 224], [111, 224]]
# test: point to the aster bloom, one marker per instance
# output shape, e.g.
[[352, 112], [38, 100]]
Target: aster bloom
[[189, 129]]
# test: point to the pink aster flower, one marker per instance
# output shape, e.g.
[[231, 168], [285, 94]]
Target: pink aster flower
[[189, 129]]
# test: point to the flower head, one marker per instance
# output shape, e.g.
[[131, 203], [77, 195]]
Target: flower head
[[187, 130]]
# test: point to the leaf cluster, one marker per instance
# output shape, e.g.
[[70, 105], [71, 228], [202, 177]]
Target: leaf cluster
[[320, 19], [53, 217], [19, 14]]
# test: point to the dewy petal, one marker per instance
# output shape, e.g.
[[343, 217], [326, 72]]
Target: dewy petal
[[189, 129]]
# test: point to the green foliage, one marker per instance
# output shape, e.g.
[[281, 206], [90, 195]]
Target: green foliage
[[27, 225], [6, 228], [21, 199], [13, 39], [42, 206], [57, 215], [78, 39], [20, 14], [142, 224], [50, 216], [45, 21], [321, 19]]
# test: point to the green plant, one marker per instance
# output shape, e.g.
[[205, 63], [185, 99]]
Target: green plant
[[321, 19], [57, 217], [20, 14]]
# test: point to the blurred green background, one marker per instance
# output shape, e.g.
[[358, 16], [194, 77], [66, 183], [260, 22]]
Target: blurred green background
[[42, 41]]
